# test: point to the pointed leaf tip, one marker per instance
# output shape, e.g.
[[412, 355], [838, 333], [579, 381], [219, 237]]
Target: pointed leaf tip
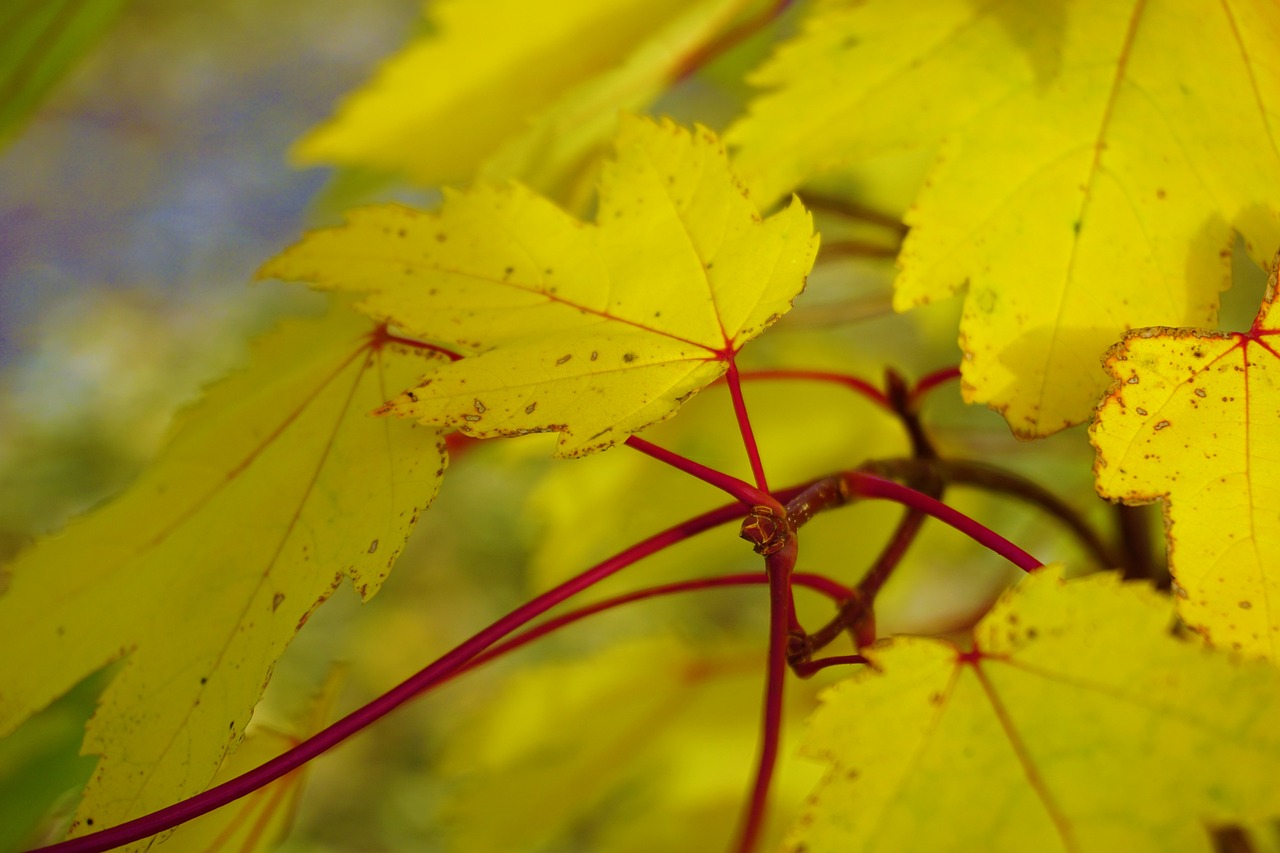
[[590, 330]]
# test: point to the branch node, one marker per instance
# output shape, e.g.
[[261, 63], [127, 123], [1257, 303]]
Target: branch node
[[765, 529]]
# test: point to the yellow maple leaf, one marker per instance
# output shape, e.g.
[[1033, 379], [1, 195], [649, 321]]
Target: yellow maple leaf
[[271, 490], [1094, 158], [1192, 420], [1084, 725], [533, 89], [592, 331]]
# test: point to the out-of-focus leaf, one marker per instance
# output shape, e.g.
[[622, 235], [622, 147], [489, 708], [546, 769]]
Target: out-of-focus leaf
[[533, 90], [40, 41], [643, 728]]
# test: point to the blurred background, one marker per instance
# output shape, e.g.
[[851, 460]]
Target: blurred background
[[137, 198]]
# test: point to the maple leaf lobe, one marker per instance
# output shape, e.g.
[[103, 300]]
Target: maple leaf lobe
[[645, 306]]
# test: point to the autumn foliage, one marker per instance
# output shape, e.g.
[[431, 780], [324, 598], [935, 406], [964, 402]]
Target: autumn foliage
[[1075, 174]]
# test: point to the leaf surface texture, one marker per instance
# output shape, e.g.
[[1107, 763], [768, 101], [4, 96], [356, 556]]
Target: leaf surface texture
[[1093, 159], [275, 487], [1085, 726], [1194, 419], [593, 331]]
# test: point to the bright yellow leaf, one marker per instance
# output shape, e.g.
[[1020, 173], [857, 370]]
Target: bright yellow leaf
[[1085, 725], [533, 89], [271, 490], [1094, 158], [1192, 420], [592, 331]]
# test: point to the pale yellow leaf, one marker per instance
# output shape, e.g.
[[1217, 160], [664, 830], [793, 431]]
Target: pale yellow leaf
[[533, 90], [273, 488]]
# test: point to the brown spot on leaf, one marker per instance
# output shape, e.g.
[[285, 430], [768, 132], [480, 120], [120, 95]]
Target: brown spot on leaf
[[528, 410], [1245, 605], [373, 546], [1161, 425], [562, 359], [629, 357], [276, 601]]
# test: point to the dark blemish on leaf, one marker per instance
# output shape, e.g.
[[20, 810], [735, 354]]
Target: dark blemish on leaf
[[1245, 605], [594, 355], [528, 410], [547, 271], [1075, 226], [373, 546], [562, 359], [629, 357], [935, 699], [508, 271], [413, 398], [1199, 392], [480, 409], [1160, 193], [1141, 411], [657, 313], [1161, 425], [709, 265], [402, 233], [88, 821], [276, 601], [441, 237], [204, 681]]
